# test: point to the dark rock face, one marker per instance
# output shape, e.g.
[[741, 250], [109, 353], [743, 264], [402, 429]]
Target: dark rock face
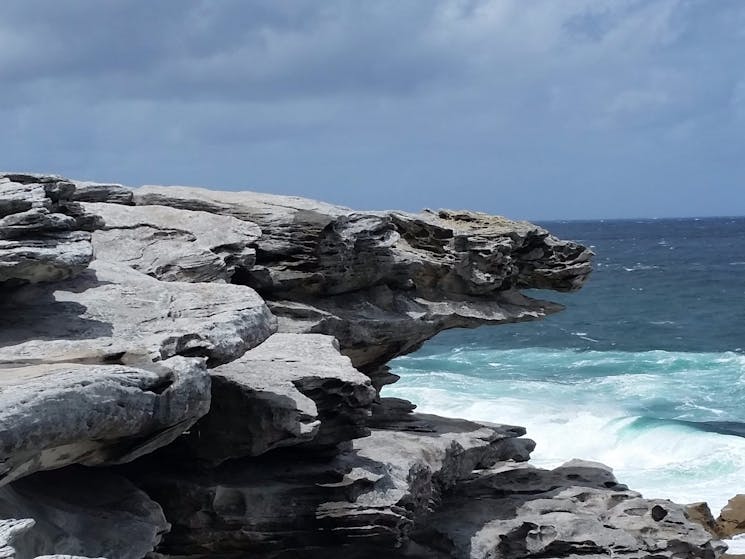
[[55, 415], [224, 353], [291, 390], [83, 512]]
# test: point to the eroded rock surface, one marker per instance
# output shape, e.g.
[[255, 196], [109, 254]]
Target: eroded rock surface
[[113, 313], [576, 510], [287, 501], [83, 512], [86, 372], [174, 245], [87, 191], [44, 235], [58, 414], [731, 520], [384, 282], [161, 358]]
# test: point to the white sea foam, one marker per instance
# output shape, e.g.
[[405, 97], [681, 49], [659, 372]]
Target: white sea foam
[[736, 545], [604, 406], [639, 267]]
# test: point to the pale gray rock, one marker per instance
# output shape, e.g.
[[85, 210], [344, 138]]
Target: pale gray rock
[[291, 224], [83, 512], [407, 467], [731, 520], [296, 477], [86, 371], [43, 233], [113, 313], [11, 531], [384, 282], [56, 414], [292, 389], [174, 245]]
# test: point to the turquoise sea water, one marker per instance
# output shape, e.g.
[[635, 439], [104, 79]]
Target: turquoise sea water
[[644, 370]]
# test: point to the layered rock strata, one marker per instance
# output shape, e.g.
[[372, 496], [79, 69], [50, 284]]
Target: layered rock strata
[[220, 361], [44, 234], [382, 283], [80, 512]]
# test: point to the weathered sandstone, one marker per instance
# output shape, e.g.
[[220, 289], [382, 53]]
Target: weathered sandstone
[[174, 245], [44, 235], [293, 389], [576, 510], [220, 362], [111, 313], [382, 283], [731, 520], [370, 494], [58, 414], [83, 512]]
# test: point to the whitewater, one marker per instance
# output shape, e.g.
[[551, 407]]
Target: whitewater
[[643, 371]]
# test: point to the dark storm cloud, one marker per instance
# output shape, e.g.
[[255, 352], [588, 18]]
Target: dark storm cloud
[[535, 109], [218, 50]]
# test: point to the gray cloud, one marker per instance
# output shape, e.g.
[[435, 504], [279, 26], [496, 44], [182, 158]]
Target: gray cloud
[[539, 109]]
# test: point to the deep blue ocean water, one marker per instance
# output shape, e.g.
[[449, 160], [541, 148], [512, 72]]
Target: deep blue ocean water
[[643, 371]]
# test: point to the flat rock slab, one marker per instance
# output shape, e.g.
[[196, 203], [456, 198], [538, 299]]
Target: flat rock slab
[[293, 389], [83, 512], [57, 414], [173, 244], [111, 313]]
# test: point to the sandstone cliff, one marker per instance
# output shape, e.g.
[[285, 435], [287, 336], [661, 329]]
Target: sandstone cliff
[[191, 373]]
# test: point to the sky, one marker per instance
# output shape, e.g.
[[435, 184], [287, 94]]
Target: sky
[[533, 109]]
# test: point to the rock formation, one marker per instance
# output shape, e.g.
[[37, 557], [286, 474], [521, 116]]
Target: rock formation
[[219, 356]]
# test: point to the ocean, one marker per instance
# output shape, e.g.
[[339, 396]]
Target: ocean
[[644, 370]]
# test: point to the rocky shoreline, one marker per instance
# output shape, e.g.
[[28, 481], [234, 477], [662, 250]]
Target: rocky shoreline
[[189, 373]]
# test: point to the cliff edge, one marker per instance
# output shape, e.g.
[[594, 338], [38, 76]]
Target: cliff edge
[[191, 373]]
